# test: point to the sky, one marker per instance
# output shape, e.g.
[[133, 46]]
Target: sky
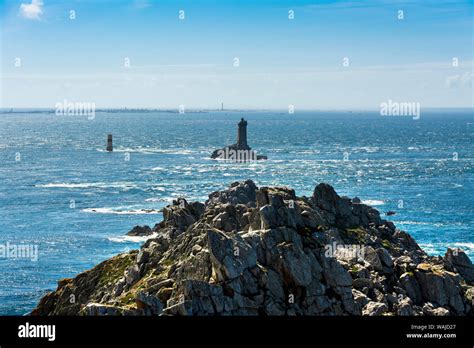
[[246, 54]]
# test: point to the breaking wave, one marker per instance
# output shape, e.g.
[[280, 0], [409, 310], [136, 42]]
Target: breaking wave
[[373, 202], [118, 211], [125, 185], [132, 239]]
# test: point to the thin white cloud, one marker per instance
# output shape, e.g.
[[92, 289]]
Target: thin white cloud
[[33, 10], [141, 4], [460, 80]]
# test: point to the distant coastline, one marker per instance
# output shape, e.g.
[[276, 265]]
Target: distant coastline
[[15, 110]]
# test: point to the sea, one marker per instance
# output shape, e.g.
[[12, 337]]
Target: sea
[[63, 195]]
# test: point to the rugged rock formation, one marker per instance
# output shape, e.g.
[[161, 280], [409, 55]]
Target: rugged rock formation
[[265, 251], [139, 231]]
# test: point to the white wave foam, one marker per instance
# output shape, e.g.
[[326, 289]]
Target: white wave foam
[[158, 188], [429, 248], [150, 150], [373, 202], [65, 185], [424, 223], [432, 248], [414, 223], [118, 211], [463, 245], [133, 239], [125, 185], [306, 152], [368, 149], [159, 199]]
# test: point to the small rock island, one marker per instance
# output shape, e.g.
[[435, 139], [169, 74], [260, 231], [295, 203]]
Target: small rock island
[[240, 151]]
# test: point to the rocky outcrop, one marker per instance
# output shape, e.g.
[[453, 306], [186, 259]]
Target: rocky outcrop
[[266, 251], [238, 193], [457, 261], [140, 231]]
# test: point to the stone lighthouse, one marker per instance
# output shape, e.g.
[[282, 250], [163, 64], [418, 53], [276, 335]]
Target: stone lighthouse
[[242, 135], [240, 151]]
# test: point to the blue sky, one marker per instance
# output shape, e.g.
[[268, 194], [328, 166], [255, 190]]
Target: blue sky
[[191, 61]]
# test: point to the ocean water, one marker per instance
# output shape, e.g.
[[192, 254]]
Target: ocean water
[[61, 191]]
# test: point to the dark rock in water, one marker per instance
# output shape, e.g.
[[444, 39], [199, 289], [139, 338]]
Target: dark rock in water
[[390, 212], [110, 146], [240, 151], [139, 231], [266, 251]]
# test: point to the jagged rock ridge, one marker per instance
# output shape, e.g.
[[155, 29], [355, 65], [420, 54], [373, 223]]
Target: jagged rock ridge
[[265, 251]]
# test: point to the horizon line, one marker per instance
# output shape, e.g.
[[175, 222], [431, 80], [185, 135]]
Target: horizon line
[[207, 109]]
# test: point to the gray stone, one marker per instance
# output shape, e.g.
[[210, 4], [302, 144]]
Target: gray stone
[[335, 274], [149, 302], [385, 257], [374, 309], [360, 283], [372, 258], [461, 263], [132, 274], [295, 265], [238, 193], [229, 258], [409, 283], [405, 307], [429, 309], [360, 299], [142, 256]]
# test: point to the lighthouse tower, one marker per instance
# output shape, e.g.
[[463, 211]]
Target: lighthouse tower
[[242, 135], [229, 152], [110, 146]]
